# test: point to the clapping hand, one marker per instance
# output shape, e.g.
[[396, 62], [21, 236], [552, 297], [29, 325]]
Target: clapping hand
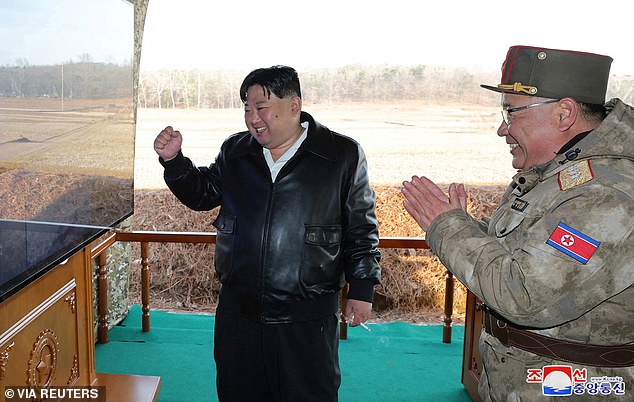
[[424, 200]]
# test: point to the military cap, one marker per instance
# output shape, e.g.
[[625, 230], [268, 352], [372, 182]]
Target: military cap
[[556, 74]]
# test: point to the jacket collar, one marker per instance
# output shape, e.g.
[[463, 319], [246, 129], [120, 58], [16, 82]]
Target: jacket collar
[[320, 141]]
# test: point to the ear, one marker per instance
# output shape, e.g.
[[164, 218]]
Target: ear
[[296, 104], [567, 113]]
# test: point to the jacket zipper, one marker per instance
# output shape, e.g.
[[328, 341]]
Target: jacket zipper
[[265, 238]]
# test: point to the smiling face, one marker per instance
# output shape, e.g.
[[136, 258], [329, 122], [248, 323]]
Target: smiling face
[[272, 121], [534, 135]]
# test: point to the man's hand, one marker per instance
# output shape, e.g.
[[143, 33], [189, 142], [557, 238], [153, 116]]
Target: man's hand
[[357, 310], [424, 200], [168, 143]]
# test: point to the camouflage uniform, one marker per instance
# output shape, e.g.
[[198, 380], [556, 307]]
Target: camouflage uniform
[[505, 260]]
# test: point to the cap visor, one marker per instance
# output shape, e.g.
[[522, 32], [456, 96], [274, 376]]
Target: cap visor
[[496, 89]]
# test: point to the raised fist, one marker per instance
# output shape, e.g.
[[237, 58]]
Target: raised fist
[[168, 143]]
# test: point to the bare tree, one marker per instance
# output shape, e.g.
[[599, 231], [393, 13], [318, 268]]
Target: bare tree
[[142, 92], [18, 76], [159, 86], [171, 79], [198, 88], [86, 70]]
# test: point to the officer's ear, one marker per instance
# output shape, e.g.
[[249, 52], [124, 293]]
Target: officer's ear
[[567, 112]]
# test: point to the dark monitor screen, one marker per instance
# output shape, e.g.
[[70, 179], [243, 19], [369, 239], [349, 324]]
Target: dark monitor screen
[[67, 127]]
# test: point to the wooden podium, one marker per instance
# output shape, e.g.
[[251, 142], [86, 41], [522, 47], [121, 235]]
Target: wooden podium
[[471, 360], [47, 336]]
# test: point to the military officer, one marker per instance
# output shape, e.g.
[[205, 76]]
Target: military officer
[[554, 264]]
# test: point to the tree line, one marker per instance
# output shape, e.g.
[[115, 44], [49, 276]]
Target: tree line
[[73, 80], [352, 83], [198, 89]]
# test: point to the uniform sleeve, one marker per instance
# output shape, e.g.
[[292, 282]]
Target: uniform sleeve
[[531, 282], [361, 236]]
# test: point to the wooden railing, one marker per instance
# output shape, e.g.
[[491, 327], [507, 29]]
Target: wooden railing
[[99, 254]]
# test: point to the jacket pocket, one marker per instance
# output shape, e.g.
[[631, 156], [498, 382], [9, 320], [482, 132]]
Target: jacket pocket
[[223, 259], [322, 256]]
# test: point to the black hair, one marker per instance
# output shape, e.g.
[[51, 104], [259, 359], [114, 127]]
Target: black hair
[[281, 81], [593, 112]]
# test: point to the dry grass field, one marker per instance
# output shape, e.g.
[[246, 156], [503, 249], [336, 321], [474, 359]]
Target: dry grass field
[[444, 142], [74, 136], [448, 143], [66, 160]]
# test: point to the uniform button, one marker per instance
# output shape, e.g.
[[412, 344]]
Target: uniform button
[[503, 230], [222, 226]]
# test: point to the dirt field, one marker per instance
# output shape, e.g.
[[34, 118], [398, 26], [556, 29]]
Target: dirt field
[[446, 143]]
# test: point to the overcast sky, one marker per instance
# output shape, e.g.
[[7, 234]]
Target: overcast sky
[[247, 34], [48, 32]]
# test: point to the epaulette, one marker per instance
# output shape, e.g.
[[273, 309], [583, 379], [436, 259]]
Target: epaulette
[[575, 175]]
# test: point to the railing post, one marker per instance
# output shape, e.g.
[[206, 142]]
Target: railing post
[[102, 333], [145, 285], [449, 285]]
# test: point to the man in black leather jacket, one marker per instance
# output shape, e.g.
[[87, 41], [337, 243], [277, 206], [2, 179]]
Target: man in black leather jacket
[[296, 222]]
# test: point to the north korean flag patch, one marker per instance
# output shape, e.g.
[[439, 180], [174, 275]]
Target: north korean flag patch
[[572, 242]]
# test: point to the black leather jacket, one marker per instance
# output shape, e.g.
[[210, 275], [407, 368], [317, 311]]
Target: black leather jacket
[[285, 248]]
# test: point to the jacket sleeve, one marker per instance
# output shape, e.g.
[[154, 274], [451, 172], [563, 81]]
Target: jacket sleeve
[[361, 235], [530, 282], [199, 188]]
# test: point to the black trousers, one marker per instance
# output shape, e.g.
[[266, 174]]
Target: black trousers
[[276, 362]]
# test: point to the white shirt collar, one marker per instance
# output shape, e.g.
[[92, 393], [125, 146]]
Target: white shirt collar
[[276, 166]]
